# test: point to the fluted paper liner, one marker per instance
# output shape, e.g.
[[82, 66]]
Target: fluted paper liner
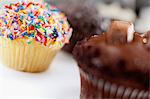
[[21, 56], [92, 88]]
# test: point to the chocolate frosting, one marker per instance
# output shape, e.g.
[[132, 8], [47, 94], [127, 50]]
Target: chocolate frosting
[[112, 57], [146, 40]]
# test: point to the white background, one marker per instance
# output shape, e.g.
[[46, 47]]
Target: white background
[[60, 81]]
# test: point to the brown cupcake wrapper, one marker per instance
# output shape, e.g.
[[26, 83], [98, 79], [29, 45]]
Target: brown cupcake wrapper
[[92, 88]]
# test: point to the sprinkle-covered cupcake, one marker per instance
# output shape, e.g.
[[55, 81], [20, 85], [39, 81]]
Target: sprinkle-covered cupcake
[[83, 18], [114, 65], [31, 34]]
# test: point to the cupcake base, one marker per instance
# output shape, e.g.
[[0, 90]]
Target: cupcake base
[[92, 88], [21, 56]]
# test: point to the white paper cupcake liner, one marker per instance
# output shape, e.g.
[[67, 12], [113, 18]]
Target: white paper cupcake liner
[[108, 90]]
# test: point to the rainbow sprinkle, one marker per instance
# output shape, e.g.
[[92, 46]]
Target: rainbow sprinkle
[[44, 23]]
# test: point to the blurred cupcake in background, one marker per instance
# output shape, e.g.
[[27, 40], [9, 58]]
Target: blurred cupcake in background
[[114, 11], [115, 64], [142, 23], [124, 3], [141, 4], [85, 21]]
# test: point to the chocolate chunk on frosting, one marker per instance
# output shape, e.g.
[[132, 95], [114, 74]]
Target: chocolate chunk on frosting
[[146, 39], [120, 32]]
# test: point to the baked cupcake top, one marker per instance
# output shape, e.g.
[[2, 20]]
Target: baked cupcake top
[[35, 21], [120, 55]]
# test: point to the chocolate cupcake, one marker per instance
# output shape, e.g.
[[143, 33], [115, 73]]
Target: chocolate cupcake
[[84, 19], [114, 64]]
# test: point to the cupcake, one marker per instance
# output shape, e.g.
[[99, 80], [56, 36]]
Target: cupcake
[[114, 65], [31, 34], [83, 18]]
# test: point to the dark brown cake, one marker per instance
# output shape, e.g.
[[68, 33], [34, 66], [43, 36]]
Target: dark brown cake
[[117, 58], [84, 20]]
